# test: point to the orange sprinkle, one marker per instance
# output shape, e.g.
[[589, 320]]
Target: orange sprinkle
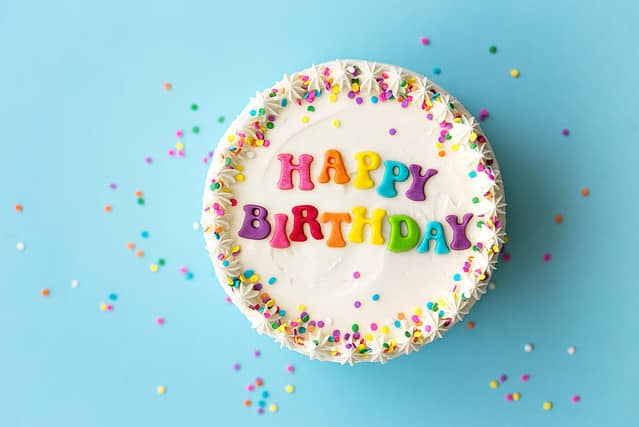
[[401, 316], [247, 403], [130, 245], [470, 325], [585, 192], [559, 219], [107, 208], [19, 208], [167, 86], [138, 193], [139, 254], [259, 382], [45, 292], [441, 153]]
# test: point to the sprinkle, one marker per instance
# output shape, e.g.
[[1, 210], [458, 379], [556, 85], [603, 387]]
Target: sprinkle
[[437, 70], [528, 347], [45, 292], [493, 384], [148, 160], [492, 49], [559, 219], [160, 389], [392, 131], [506, 257], [19, 208], [509, 397], [108, 208], [113, 297], [167, 86], [470, 325], [514, 73], [424, 41], [289, 388], [273, 408], [305, 119], [75, 283], [503, 378], [139, 254], [572, 350], [247, 403], [179, 133], [196, 226], [356, 275], [290, 369], [375, 297], [194, 107], [250, 387], [565, 132], [525, 377], [144, 234], [257, 353], [272, 280], [220, 119], [260, 410], [585, 192], [575, 399], [154, 268], [547, 257], [516, 396], [547, 406], [264, 394], [113, 186], [159, 320], [236, 366], [336, 123], [20, 246], [483, 114], [357, 304], [259, 382]]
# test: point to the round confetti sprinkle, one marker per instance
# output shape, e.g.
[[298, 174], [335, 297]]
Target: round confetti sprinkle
[[492, 49], [305, 119], [257, 353], [194, 107], [247, 403], [437, 70], [585, 192], [272, 280], [424, 40], [392, 131], [493, 384], [160, 389], [159, 320], [250, 387], [289, 388], [290, 369], [356, 275], [113, 297], [113, 186], [154, 268], [20, 246], [336, 123], [75, 283], [144, 234], [470, 325], [565, 132], [139, 254], [559, 219], [503, 378], [525, 377], [514, 73], [167, 86], [357, 304], [260, 410], [273, 408], [547, 257], [148, 160], [528, 347], [575, 399], [259, 382], [108, 208], [45, 292], [236, 366], [509, 397], [375, 297], [265, 394], [516, 396], [547, 406], [19, 208], [572, 350], [220, 119]]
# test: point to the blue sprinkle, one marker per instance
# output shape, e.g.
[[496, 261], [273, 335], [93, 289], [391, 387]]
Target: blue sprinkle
[[248, 273], [375, 297], [472, 174], [284, 102], [225, 263], [113, 297], [188, 275], [261, 403], [456, 277], [302, 330], [374, 99], [429, 305], [282, 313], [441, 313], [437, 70], [397, 323], [272, 280], [252, 112], [265, 394], [144, 234]]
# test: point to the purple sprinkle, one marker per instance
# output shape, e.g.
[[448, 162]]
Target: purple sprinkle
[[429, 116], [113, 186], [565, 132], [236, 366], [351, 94], [357, 304], [405, 103], [320, 323], [348, 345], [392, 131], [257, 353], [148, 160], [257, 286], [336, 333], [356, 336], [359, 100]]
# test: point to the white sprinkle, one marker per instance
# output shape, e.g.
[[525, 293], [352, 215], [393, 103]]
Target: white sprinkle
[[75, 283], [250, 154], [528, 348], [196, 225], [572, 350], [492, 286], [20, 246]]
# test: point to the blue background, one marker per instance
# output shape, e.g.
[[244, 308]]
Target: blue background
[[82, 105]]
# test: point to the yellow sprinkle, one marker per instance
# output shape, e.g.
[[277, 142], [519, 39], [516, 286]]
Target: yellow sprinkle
[[305, 119], [273, 408], [254, 278], [154, 267], [179, 146], [160, 389], [547, 406], [335, 89], [230, 138], [454, 147], [439, 145], [514, 72], [239, 167], [239, 177], [516, 396], [417, 311], [473, 137], [493, 384], [289, 388], [384, 329], [336, 123], [369, 337], [103, 307], [301, 307], [332, 97], [355, 87]]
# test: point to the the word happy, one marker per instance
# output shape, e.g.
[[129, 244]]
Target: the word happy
[[405, 232]]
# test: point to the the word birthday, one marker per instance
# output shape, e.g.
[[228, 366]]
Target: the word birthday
[[405, 232]]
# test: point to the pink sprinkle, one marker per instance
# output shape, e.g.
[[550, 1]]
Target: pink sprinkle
[[575, 398], [183, 270], [257, 353], [236, 367], [503, 378], [109, 307], [373, 326], [171, 152], [565, 132], [179, 133], [227, 299], [180, 153], [509, 397], [483, 113], [159, 321], [525, 377], [424, 41], [547, 257], [148, 160], [506, 257], [113, 186], [356, 275], [250, 387], [290, 369]]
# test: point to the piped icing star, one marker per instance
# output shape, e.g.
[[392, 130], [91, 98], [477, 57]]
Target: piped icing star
[[367, 76], [395, 77], [292, 86], [420, 93], [340, 74], [315, 78]]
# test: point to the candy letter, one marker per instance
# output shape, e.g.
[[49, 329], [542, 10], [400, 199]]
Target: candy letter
[[399, 242], [303, 168], [335, 239], [416, 191], [333, 160], [279, 239], [460, 241], [356, 234], [395, 172], [366, 161], [305, 214], [438, 237], [255, 225]]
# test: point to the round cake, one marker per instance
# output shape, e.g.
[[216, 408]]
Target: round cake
[[354, 211]]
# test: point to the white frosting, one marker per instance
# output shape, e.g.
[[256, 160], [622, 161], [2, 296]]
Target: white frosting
[[320, 277]]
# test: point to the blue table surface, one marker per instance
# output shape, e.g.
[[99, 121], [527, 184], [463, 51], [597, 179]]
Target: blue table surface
[[82, 105]]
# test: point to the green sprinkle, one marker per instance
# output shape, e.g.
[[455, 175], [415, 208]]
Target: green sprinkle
[[161, 262], [194, 107], [220, 119], [310, 108], [355, 327], [196, 129], [475, 199], [492, 49], [262, 111], [270, 125], [140, 201]]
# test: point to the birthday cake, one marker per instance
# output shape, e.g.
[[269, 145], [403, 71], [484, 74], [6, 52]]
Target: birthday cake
[[354, 211]]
